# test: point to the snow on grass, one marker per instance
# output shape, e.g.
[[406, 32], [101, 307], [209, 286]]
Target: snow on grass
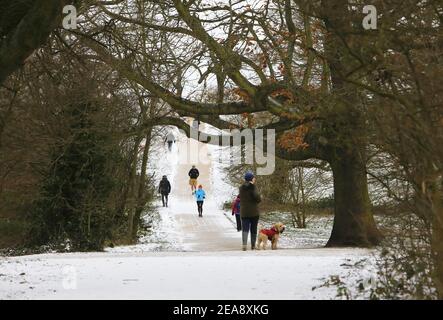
[[161, 236], [314, 236], [219, 181], [220, 160]]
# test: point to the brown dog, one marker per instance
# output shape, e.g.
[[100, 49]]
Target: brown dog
[[272, 235]]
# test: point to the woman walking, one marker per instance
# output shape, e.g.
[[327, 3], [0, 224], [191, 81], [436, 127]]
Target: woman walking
[[249, 200], [164, 189], [236, 211], [200, 196]]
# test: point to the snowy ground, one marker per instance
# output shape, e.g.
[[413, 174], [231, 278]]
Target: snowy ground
[[285, 274], [185, 257]]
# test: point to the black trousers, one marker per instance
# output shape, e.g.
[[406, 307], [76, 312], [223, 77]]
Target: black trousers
[[165, 199], [238, 220], [249, 224], [200, 207]]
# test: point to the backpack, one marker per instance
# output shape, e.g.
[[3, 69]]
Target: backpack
[[236, 205]]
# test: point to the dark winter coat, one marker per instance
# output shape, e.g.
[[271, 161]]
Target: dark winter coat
[[164, 187], [249, 200], [193, 173]]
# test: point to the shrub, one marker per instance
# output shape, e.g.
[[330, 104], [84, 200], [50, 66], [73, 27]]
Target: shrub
[[75, 198]]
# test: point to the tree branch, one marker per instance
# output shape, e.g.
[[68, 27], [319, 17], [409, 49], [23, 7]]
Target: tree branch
[[31, 32]]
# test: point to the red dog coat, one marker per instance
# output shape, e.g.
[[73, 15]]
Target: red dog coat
[[269, 232]]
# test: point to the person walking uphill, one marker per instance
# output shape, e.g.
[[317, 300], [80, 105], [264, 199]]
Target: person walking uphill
[[236, 211], [164, 189], [249, 213], [193, 175], [170, 139], [200, 196]]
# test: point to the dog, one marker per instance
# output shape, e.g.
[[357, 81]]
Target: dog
[[272, 234]]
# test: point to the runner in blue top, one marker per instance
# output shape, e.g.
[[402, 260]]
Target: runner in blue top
[[200, 196]]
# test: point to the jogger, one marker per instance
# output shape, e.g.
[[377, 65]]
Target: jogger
[[200, 196], [200, 208], [193, 175]]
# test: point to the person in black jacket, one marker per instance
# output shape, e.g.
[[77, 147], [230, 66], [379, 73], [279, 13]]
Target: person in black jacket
[[164, 189], [193, 175], [249, 213]]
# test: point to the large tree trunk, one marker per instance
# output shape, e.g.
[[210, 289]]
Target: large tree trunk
[[354, 223]]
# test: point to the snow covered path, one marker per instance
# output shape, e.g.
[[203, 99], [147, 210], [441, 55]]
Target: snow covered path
[[208, 265], [213, 231]]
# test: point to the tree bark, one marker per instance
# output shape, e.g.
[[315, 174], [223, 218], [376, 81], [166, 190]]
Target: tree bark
[[141, 186], [354, 224], [128, 193], [30, 33]]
